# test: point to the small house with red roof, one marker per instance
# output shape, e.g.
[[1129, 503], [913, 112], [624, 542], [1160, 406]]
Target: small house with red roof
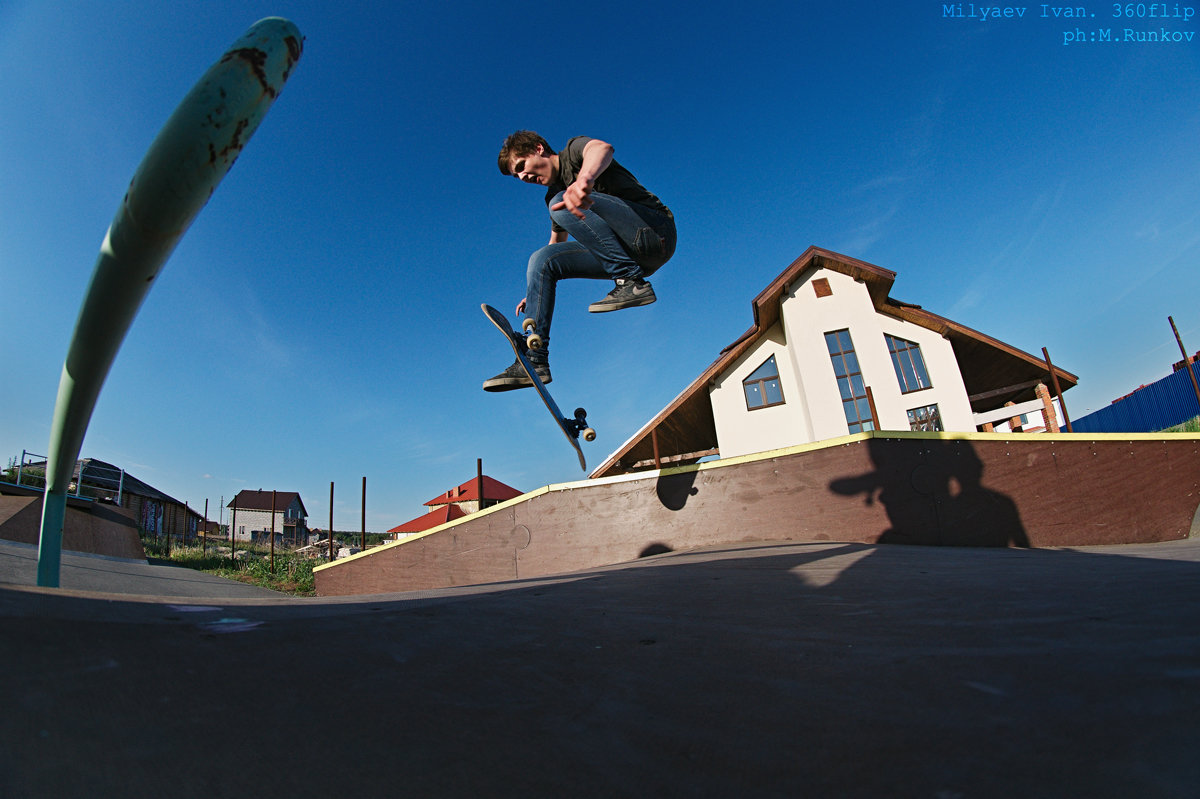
[[459, 501], [257, 513]]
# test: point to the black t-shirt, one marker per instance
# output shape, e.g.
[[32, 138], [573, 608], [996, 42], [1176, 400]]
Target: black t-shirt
[[616, 180]]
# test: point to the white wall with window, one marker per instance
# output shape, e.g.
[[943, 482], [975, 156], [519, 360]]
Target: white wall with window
[[806, 379], [917, 402], [753, 413]]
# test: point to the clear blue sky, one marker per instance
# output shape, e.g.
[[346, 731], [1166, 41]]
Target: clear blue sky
[[320, 321]]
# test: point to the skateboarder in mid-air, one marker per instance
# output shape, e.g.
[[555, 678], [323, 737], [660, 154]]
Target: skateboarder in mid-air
[[621, 233]]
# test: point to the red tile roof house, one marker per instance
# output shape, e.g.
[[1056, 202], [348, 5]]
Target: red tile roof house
[[456, 503]]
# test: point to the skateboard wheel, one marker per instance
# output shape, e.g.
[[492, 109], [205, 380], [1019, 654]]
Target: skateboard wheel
[[528, 325], [580, 414], [533, 341], [589, 434]]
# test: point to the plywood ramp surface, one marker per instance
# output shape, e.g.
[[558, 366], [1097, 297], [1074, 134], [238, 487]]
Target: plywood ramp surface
[[933, 489]]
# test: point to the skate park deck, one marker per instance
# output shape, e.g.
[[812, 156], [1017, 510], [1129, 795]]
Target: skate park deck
[[765, 669], [756, 667]]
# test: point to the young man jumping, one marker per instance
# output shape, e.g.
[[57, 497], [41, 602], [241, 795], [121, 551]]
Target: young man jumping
[[621, 233]]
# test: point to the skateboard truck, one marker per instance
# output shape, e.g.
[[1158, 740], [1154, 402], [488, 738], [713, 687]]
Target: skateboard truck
[[532, 340], [579, 426]]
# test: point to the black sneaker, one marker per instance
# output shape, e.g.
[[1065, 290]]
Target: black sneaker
[[629, 293], [515, 377]]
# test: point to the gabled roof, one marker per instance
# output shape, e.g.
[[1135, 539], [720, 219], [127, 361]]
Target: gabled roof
[[684, 431], [105, 476], [261, 500], [430, 520], [469, 492]]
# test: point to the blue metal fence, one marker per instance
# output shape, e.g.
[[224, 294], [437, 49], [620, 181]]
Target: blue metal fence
[[1162, 404]]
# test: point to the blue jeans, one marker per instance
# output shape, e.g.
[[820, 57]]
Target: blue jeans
[[615, 239]]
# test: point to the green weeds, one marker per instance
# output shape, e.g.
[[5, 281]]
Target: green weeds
[[292, 574]]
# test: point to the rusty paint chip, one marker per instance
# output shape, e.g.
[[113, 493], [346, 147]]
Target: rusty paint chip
[[256, 59]]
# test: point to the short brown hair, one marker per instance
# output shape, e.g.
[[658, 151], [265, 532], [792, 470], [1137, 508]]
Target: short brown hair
[[521, 143]]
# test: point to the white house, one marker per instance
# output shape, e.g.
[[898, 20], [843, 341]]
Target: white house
[[831, 353]]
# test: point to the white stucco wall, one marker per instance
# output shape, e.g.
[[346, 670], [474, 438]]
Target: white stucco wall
[[813, 406], [741, 431]]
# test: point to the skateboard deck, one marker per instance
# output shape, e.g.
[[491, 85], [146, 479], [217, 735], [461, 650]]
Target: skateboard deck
[[572, 428]]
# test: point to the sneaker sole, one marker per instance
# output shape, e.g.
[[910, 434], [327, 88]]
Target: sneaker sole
[[505, 385], [510, 384], [597, 307]]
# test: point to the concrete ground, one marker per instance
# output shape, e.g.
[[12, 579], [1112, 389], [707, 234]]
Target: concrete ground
[[762, 670], [79, 572]]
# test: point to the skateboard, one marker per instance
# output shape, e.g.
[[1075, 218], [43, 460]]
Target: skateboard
[[572, 428]]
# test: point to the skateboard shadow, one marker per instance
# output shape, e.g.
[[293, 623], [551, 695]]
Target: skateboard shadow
[[674, 489]]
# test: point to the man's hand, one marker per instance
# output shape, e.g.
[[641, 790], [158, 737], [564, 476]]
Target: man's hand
[[597, 155], [521, 306], [576, 198]]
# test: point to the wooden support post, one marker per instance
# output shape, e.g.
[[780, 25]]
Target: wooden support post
[[272, 531], [1187, 363], [874, 411], [479, 480], [1057, 391]]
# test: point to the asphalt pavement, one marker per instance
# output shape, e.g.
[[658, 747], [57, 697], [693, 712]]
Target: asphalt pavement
[[758, 670]]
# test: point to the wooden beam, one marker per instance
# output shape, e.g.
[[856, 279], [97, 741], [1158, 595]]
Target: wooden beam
[[1000, 392], [686, 456]]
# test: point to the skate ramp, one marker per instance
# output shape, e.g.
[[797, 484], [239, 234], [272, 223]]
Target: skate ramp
[[933, 489], [89, 527]]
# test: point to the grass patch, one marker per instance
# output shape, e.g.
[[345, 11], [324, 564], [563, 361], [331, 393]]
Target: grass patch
[[292, 574], [1190, 426]]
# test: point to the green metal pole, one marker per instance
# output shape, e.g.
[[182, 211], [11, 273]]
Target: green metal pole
[[185, 163]]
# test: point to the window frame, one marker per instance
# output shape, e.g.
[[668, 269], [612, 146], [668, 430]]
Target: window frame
[[902, 356], [935, 416], [761, 384], [842, 371]]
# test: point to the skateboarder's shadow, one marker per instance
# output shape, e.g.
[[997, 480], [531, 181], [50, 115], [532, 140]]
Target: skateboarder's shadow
[[937, 498]]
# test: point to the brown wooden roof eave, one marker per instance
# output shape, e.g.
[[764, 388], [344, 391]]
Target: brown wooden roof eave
[[993, 372]]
